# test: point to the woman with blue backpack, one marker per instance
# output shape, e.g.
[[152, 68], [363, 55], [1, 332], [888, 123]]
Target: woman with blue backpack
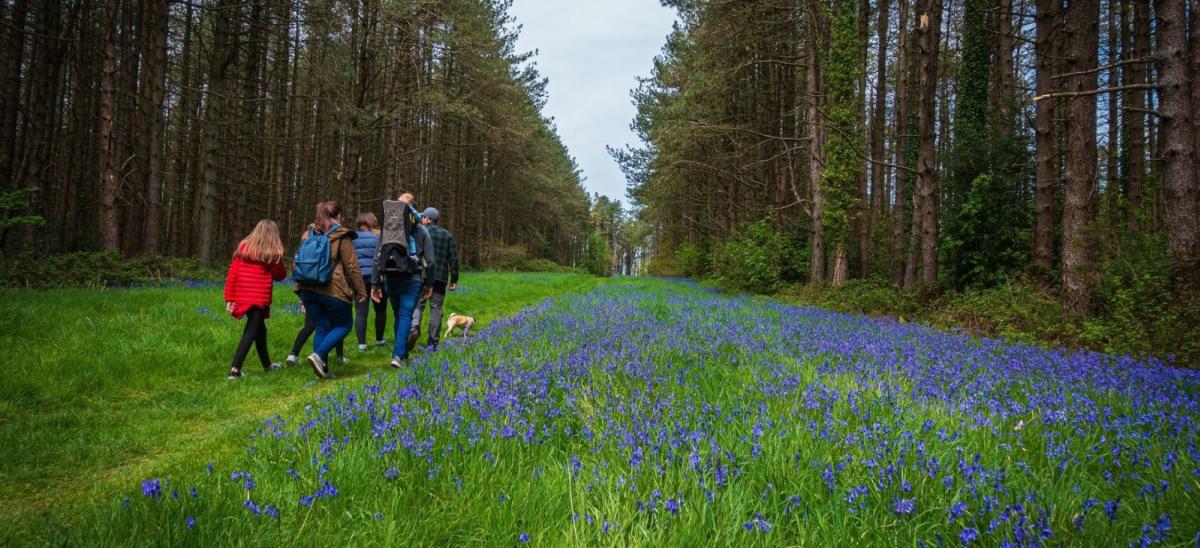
[[367, 246], [328, 280]]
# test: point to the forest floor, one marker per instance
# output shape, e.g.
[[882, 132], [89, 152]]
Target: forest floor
[[115, 385], [641, 412]]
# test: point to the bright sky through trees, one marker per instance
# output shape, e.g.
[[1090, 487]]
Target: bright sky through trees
[[592, 51]]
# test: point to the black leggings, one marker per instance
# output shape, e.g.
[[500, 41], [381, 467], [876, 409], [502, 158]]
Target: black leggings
[[360, 316], [305, 333], [255, 333]]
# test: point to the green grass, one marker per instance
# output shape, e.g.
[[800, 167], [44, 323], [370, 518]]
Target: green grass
[[104, 388]]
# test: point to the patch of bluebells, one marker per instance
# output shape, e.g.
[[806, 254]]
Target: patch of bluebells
[[619, 388]]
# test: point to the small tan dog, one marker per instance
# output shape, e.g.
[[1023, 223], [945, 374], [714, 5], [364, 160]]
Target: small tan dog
[[456, 320]]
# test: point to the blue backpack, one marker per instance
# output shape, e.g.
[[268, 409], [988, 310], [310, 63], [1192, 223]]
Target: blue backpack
[[314, 264]]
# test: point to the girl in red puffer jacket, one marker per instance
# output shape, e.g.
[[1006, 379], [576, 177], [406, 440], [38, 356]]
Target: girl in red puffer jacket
[[257, 264]]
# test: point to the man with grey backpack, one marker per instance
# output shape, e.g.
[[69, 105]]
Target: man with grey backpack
[[405, 251], [444, 273]]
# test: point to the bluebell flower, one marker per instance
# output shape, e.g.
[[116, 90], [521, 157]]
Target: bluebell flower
[[523, 538], [191, 522], [968, 535], [152, 488], [905, 506]]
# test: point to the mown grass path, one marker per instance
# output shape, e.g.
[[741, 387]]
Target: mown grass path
[[103, 388]]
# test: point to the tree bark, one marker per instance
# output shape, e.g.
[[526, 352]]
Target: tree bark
[[109, 185], [1080, 173], [816, 162], [929, 29], [878, 196], [13, 58], [1046, 162], [1138, 28], [153, 95], [224, 53], [901, 222], [1180, 185]]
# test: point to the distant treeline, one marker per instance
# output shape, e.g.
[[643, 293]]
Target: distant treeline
[[170, 127]]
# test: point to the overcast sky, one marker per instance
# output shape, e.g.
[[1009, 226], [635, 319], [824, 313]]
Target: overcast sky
[[593, 51]]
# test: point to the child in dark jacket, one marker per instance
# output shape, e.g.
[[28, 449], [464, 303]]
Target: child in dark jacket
[[257, 264], [367, 246]]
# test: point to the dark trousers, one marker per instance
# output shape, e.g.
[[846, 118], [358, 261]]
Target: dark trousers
[[255, 333], [305, 333], [435, 302], [403, 293], [331, 319], [360, 316]]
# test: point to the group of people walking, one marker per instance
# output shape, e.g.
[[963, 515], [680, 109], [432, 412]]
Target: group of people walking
[[409, 261]]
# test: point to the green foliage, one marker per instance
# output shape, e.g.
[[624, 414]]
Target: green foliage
[[986, 218], [598, 257], [692, 260], [1138, 309], [109, 269], [759, 259], [987, 239], [873, 296], [1017, 311], [15, 201], [843, 166]]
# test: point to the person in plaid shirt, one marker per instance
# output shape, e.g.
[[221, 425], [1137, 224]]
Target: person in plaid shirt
[[443, 272]]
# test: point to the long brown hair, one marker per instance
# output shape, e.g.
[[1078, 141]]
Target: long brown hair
[[327, 214], [367, 220], [262, 245]]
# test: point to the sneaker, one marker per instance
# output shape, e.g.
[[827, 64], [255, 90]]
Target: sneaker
[[381, 342], [318, 366], [291, 360], [397, 363], [234, 374], [362, 348], [344, 359], [272, 367]]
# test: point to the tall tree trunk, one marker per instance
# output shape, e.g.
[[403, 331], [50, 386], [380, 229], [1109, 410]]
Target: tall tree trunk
[[1179, 137], [1080, 174], [863, 209], [929, 28], [13, 57], [153, 95], [901, 222], [816, 137], [878, 197], [224, 53], [1134, 116], [1046, 163], [109, 185]]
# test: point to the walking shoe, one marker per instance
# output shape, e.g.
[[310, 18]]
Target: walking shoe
[[344, 359], [381, 342], [318, 366], [412, 338], [234, 374], [362, 348], [272, 367], [291, 360], [397, 363]]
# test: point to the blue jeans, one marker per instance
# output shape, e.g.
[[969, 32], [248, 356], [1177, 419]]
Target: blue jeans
[[403, 293], [332, 318]]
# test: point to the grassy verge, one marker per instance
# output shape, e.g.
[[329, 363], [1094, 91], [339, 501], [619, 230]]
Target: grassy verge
[[106, 387]]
